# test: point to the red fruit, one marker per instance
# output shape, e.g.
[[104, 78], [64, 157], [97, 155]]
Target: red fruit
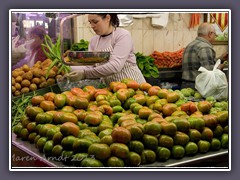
[[189, 107], [153, 90], [121, 135], [75, 91], [132, 84], [118, 86], [169, 108]]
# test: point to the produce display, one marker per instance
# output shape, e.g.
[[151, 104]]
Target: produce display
[[168, 59], [42, 74], [125, 125], [26, 79]]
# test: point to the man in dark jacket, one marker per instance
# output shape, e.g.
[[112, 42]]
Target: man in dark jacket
[[200, 53]]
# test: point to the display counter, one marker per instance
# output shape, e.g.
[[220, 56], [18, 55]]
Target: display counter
[[25, 154], [171, 75]]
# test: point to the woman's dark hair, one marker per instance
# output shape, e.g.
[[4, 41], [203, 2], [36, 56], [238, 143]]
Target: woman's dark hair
[[38, 30], [114, 18]]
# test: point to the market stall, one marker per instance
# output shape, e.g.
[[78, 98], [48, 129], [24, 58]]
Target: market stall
[[172, 141], [87, 123]]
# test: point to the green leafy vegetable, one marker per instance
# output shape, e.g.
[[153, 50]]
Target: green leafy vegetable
[[81, 46], [18, 108], [147, 66], [53, 52]]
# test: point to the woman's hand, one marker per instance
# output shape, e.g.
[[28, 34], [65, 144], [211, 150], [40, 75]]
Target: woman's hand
[[75, 76], [221, 66]]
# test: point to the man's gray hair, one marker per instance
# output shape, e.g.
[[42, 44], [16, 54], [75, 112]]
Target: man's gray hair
[[204, 29]]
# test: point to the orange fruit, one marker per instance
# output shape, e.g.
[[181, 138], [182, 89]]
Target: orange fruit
[[80, 113], [144, 112], [90, 90], [69, 117], [93, 118], [60, 100], [118, 86], [172, 97], [145, 86], [49, 96], [100, 91], [140, 98], [168, 109], [71, 100], [75, 91], [132, 84], [36, 100], [69, 128], [121, 135], [106, 109], [47, 105], [81, 103], [153, 90], [162, 93], [69, 109], [31, 126]]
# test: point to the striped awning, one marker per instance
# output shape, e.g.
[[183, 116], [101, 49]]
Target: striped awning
[[221, 19]]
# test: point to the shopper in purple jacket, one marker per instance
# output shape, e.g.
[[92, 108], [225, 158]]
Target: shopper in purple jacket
[[109, 37]]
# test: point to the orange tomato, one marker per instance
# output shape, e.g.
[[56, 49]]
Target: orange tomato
[[140, 98], [69, 117], [168, 109], [153, 90], [80, 113], [106, 109], [81, 103], [70, 100], [133, 84], [75, 91], [93, 118], [47, 105], [91, 90], [145, 86], [118, 86], [36, 100], [57, 117], [49, 96], [144, 112], [100, 91], [122, 94]]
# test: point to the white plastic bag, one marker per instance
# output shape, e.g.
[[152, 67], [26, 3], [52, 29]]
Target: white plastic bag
[[161, 21], [212, 83], [125, 20]]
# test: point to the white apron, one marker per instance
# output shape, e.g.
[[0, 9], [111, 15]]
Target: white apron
[[129, 70]]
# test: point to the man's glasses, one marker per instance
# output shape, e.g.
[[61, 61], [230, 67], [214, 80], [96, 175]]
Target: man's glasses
[[214, 33]]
